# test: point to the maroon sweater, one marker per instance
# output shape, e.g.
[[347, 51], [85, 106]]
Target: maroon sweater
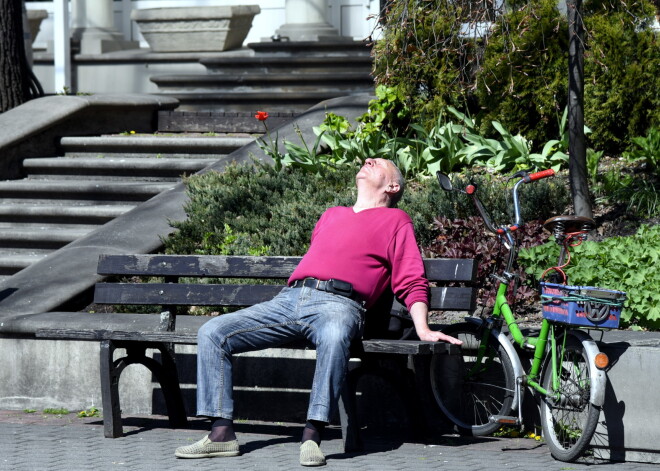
[[371, 249]]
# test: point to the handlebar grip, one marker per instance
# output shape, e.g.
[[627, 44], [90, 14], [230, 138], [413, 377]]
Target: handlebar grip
[[538, 175]]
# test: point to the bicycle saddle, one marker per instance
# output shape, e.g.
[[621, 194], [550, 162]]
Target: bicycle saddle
[[569, 224]]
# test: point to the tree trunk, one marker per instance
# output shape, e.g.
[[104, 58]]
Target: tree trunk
[[14, 72], [577, 151]]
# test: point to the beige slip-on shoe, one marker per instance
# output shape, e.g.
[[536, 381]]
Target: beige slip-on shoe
[[205, 448], [310, 454]]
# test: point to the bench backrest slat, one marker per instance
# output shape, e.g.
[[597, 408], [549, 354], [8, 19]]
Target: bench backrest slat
[[197, 266], [183, 294], [437, 269]]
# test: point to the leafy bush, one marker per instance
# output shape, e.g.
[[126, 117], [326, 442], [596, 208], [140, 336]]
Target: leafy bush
[[622, 72], [422, 56], [523, 81], [646, 149], [632, 182], [438, 54], [541, 200], [448, 145], [258, 210], [466, 238], [623, 263]]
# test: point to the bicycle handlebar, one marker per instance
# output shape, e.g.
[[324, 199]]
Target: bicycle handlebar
[[525, 177], [538, 175]]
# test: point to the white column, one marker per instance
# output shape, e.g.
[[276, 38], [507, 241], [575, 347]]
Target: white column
[[306, 21], [93, 26], [61, 45]]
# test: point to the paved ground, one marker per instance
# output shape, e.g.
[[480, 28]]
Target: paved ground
[[37, 441]]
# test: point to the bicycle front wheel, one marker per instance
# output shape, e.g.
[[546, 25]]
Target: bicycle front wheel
[[568, 418], [480, 388]]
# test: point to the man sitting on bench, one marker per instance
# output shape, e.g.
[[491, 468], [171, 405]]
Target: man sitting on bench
[[355, 254]]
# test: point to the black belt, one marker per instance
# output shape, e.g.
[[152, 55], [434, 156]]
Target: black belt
[[342, 288]]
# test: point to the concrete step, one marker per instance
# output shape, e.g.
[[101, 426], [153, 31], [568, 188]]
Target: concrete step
[[62, 214], [162, 169], [293, 65], [153, 146], [291, 102], [44, 236], [84, 189], [329, 47], [267, 82], [14, 262]]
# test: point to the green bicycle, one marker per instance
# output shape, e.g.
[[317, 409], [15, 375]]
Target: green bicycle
[[567, 370]]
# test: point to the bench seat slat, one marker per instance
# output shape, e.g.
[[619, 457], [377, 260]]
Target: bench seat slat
[[182, 294], [412, 347]]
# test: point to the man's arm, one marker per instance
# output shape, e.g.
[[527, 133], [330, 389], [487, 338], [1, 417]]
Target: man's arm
[[419, 313]]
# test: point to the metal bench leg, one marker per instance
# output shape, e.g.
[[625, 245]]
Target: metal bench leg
[[168, 377], [110, 391], [350, 429]]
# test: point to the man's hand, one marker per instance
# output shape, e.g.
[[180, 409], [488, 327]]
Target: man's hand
[[419, 312], [437, 336]]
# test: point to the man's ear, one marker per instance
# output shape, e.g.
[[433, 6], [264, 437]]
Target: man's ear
[[393, 187]]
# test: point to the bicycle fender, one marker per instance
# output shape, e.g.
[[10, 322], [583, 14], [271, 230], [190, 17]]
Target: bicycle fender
[[510, 350], [597, 376]]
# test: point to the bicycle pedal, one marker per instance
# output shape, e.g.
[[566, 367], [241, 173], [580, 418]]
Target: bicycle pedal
[[504, 420]]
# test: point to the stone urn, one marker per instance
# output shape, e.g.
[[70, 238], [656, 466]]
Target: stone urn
[[195, 29]]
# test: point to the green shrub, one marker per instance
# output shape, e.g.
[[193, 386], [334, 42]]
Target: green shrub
[[422, 58], [622, 73], [632, 182], [623, 263], [523, 82], [258, 210], [646, 149], [518, 74]]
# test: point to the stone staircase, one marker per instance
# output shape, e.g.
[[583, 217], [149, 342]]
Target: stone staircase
[[97, 179], [279, 76]]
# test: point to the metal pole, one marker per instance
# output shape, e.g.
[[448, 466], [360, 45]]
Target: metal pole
[[62, 45]]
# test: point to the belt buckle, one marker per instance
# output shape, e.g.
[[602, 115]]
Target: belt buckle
[[318, 283]]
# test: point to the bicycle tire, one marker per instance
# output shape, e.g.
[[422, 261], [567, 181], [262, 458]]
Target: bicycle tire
[[479, 395], [569, 423]]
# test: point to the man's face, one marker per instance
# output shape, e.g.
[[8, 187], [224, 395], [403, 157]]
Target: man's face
[[379, 173]]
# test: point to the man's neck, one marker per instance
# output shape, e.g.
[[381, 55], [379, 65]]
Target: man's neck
[[362, 204]]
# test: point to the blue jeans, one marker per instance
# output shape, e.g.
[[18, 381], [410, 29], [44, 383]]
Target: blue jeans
[[328, 320]]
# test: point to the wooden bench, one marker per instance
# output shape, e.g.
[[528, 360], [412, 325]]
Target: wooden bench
[[174, 291]]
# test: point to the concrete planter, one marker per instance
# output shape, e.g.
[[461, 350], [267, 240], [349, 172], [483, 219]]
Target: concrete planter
[[35, 17], [195, 29]]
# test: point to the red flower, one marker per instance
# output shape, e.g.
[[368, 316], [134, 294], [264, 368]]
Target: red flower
[[261, 115]]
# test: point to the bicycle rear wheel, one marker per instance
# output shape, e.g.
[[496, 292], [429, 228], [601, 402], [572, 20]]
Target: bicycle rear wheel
[[477, 391], [568, 418]]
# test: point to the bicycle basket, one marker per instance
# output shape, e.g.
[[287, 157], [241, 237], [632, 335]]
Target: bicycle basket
[[583, 306]]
